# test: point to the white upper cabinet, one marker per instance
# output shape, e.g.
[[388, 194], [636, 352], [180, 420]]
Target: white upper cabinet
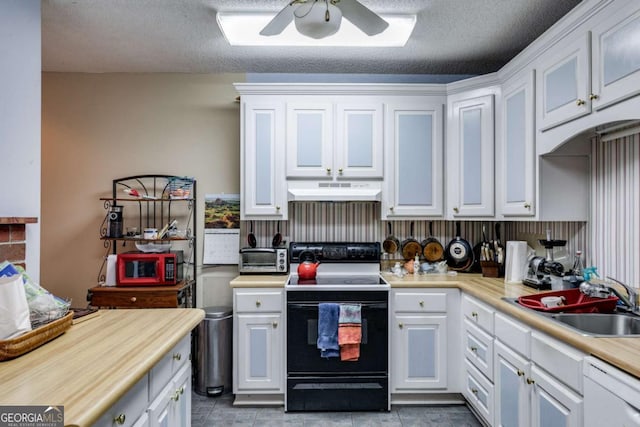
[[616, 56], [470, 158], [359, 145], [413, 160], [516, 148], [594, 69], [564, 83], [309, 140], [327, 141], [262, 161]]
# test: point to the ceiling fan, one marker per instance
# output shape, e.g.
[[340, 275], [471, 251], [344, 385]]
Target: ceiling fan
[[321, 18]]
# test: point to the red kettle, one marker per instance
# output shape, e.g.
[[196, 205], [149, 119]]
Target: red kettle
[[307, 269]]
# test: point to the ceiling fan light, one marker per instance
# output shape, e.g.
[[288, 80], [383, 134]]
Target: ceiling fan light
[[311, 20]]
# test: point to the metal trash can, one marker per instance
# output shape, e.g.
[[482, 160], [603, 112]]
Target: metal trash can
[[213, 352]]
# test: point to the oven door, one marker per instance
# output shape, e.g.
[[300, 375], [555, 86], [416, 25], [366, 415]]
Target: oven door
[[303, 355], [315, 383]]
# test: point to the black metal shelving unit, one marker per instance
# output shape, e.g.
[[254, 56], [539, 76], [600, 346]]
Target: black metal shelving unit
[[160, 199]]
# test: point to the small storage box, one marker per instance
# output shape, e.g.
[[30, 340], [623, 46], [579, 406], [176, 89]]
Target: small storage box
[[574, 302]]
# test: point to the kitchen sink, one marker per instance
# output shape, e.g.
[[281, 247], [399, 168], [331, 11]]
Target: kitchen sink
[[616, 324], [609, 324]]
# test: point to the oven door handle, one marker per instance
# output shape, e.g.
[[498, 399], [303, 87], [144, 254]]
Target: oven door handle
[[377, 304]]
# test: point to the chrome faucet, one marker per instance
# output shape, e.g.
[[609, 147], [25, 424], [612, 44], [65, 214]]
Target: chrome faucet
[[631, 301]]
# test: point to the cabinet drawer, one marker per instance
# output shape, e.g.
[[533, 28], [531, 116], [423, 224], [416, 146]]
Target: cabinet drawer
[[560, 360], [170, 363], [129, 408], [478, 391], [257, 301], [153, 297], [514, 334], [478, 348], [420, 302], [478, 313]]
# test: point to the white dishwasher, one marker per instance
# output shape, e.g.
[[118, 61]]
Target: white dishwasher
[[611, 396]]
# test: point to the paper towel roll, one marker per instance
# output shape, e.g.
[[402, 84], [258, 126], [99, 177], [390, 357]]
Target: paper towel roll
[[110, 278], [516, 261]]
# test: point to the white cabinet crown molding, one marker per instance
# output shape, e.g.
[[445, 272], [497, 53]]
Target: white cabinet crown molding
[[327, 89], [559, 31]]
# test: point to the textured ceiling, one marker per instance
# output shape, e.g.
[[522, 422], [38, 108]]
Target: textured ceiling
[[451, 37]]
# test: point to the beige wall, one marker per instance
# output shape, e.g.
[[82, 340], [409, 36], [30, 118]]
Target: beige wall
[[97, 127]]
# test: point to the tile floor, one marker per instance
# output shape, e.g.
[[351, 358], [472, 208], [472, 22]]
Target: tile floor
[[219, 411]]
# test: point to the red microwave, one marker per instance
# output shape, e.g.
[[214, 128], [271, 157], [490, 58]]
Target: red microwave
[[148, 269]]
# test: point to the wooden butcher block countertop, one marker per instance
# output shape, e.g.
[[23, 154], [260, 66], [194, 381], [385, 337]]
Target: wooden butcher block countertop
[[95, 362]]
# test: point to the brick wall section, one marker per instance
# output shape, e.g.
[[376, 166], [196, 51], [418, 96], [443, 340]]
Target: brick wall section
[[13, 241]]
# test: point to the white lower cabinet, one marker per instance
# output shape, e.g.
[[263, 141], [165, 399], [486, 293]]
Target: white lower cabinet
[[258, 341], [172, 407], [478, 351], [162, 397], [479, 392], [419, 339], [419, 352], [553, 404], [512, 376], [537, 379]]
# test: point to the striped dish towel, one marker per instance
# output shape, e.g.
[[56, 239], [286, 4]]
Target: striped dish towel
[[349, 332]]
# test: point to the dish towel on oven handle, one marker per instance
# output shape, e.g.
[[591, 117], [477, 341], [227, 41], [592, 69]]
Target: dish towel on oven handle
[[328, 314], [350, 332]]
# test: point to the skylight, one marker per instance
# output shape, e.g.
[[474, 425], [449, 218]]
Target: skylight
[[242, 29]]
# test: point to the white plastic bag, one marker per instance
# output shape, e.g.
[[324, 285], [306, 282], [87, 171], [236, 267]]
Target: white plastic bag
[[14, 309]]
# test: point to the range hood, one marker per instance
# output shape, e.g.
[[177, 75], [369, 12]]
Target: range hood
[[305, 191]]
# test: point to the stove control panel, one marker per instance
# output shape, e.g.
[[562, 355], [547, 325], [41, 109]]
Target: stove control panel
[[334, 252]]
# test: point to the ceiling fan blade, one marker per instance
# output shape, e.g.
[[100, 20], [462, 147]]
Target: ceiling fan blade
[[362, 17], [280, 21]]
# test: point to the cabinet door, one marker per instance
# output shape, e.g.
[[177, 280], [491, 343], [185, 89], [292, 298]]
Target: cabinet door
[[260, 351], [263, 179], [511, 373], [564, 83], [553, 404], [471, 173], [516, 163], [143, 421], [359, 141], [413, 161], [419, 352], [181, 408], [160, 410], [309, 140], [616, 56]]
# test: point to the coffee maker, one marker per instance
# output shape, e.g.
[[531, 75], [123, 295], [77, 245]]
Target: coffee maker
[[544, 272]]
